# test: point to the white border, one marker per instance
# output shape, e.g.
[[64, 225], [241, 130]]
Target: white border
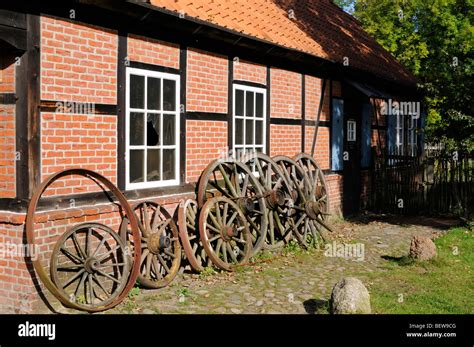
[[263, 119], [161, 75]]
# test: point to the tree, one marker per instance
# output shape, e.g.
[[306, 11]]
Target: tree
[[435, 40]]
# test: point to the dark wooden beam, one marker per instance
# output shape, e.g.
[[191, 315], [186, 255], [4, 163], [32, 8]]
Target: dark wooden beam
[[13, 19], [303, 113], [34, 93], [7, 99], [14, 37], [27, 113], [183, 68], [230, 103], [121, 111], [99, 109], [268, 107], [220, 117]]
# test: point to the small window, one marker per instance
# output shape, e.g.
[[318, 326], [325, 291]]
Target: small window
[[351, 131], [152, 129], [249, 119]]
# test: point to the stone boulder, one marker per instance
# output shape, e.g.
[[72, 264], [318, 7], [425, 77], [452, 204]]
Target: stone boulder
[[349, 296], [422, 248]]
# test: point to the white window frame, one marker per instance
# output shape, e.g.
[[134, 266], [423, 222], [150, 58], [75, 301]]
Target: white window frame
[[351, 131], [128, 147], [399, 133], [263, 119]]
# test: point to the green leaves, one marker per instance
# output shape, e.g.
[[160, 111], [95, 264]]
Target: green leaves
[[434, 39]]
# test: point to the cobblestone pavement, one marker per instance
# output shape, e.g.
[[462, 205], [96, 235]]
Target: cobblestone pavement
[[293, 281]]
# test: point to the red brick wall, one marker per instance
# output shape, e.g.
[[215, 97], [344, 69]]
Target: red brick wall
[[7, 73], [335, 183], [207, 79], [16, 289], [285, 94], [78, 62], [321, 152], [7, 151], [313, 89], [150, 51], [247, 71], [72, 140], [7, 129], [285, 140], [205, 141]]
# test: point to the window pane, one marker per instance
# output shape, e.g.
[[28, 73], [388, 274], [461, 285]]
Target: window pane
[[249, 132], [136, 166], [259, 105], [153, 129], [137, 91], [249, 104], [169, 164], [239, 131], [239, 152], [153, 165], [239, 102], [169, 95], [136, 129], [153, 93], [169, 130], [259, 132]]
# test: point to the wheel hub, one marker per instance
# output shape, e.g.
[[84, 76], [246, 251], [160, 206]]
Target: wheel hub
[[313, 209], [275, 198], [91, 265], [228, 232], [246, 205], [157, 242]]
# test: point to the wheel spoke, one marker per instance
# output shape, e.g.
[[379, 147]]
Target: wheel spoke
[[73, 279]]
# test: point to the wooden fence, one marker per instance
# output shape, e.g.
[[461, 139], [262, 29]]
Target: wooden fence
[[433, 184]]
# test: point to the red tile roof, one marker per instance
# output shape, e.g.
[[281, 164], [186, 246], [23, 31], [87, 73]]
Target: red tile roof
[[316, 27]]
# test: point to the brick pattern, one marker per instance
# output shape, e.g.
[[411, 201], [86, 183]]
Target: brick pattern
[[17, 291], [78, 62], [285, 94], [151, 51], [321, 153], [335, 183], [313, 89], [7, 151], [7, 73], [205, 141], [285, 140], [247, 71], [72, 140], [207, 82]]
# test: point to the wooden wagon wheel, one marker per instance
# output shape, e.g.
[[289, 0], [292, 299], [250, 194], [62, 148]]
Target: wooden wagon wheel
[[224, 233], [232, 179], [90, 265], [277, 193], [320, 188], [161, 250], [302, 222], [31, 239], [189, 234]]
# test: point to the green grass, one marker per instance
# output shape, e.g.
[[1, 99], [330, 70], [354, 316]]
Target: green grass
[[441, 285], [208, 271]]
